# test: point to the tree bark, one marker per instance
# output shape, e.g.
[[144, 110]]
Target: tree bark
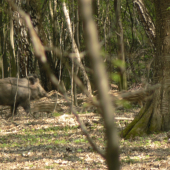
[[4, 54], [22, 42], [146, 20]]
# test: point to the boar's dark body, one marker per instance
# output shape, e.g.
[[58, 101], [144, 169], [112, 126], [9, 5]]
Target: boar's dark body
[[27, 89]]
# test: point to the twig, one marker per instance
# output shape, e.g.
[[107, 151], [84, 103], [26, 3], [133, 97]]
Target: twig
[[15, 99]]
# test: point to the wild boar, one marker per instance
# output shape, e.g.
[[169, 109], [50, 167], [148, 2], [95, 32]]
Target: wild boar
[[27, 89]]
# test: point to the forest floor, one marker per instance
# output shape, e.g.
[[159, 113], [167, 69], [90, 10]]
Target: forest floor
[[57, 142]]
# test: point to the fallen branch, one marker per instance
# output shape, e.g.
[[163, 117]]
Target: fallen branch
[[137, 95]]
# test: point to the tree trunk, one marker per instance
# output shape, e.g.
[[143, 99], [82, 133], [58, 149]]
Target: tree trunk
[[121, 55], [37, 17], [22, 43], [1, 38], [77, 35], [4, 54], [146, 20], [155, 115], [3, 42]]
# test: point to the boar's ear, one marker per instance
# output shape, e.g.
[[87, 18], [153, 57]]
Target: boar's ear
[[35, 76], [33, 80], [32, 75]]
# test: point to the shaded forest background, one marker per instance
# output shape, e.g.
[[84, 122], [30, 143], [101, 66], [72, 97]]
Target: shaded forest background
[[75, 48], [48, 18]]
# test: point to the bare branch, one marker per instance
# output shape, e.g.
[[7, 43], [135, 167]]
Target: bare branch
[[93, 46], [75, 49]]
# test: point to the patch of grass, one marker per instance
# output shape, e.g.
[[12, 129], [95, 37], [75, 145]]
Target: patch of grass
[[4, 145], [31, 165], [56, 114], [80, 140], [49, 167], [147, 156], [100, 139], [55, 134], [37, 137], [157, 143], [129, 160], [158, 159], [148, 142], [4, 139], [79, 150], [49, 147], [50, 140], [60, 141], [56, 128]]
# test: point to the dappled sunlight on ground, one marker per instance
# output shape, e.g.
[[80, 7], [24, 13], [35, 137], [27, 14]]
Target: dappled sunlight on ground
[[57, 142]]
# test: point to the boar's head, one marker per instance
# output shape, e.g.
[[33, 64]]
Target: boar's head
[[37, 91]]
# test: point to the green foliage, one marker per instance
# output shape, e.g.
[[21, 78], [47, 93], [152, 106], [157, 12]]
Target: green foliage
[[118, 63], [56, 114], [115, 77]]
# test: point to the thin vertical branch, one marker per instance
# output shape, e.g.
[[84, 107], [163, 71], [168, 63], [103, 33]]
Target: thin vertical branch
[[107, 109], [72, 69], [76, 51], [121, 55]]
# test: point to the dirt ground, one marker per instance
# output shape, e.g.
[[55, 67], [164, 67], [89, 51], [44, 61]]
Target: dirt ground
[[56, 141]]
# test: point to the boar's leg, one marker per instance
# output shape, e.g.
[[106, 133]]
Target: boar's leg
[[15, 111], [12, 108], [26, 106]]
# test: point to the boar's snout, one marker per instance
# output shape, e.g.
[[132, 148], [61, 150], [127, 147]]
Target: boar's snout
[[42, 93]]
